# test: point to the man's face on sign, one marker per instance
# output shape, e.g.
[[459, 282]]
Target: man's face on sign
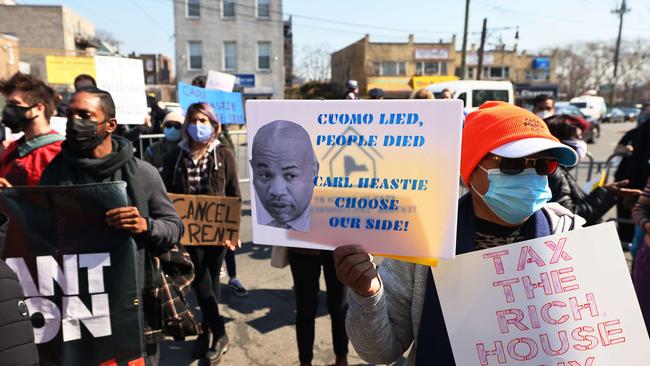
[[284, 168]]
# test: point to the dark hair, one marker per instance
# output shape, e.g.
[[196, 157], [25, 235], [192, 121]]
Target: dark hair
[[563, 126], [105, 100], [200, 81], [85, 77], [33, 89], [541, 99]]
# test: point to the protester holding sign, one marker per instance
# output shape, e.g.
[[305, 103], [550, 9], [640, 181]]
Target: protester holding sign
[[592, 206], [284, 167], [203, 166], [507, 155], [92, 154], [30, 105]]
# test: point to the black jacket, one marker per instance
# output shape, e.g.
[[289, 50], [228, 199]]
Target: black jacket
[[16, 335], [568, 193]]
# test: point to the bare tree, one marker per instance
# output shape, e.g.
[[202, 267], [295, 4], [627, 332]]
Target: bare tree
[[107, 37], [315, 63], [584, 66]]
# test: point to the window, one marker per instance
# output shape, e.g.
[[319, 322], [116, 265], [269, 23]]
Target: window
[[481, 96], [193, 8], [539, 75], [263, 8], [195, 55], [264, 55], [230, 56], [228, 8], [496, 72], [389, 68], [430, 68]]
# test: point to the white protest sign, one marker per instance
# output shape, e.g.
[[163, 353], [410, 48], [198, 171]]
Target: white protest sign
[[124, 79], [220, 81], [383, 174], [563, 300], [59, 124]]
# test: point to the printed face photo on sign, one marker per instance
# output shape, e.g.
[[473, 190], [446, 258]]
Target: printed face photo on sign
[[284, 167]]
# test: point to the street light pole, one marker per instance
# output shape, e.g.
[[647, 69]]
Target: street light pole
[[621, 12], [463, 65]]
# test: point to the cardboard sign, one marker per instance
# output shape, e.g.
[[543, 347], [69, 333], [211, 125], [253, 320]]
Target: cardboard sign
[[220, 81], [124, 79], [378, 173], [563, 300], [64, 69], [208, 220], [78, 274], [228, 107]]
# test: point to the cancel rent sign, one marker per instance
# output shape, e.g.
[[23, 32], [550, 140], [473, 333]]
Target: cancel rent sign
[[208, 220], [79, 276], [564, 300]]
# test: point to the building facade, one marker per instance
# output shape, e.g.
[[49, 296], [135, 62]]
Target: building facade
[[157, 68], [240, 37], [531, 75], [45, 30], [9, 56], [397, 68]]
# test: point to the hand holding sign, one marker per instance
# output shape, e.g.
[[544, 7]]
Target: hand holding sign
[[126, 218], [355, 268]]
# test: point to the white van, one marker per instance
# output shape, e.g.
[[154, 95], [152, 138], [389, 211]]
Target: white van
[[591, 106], [473, 93]]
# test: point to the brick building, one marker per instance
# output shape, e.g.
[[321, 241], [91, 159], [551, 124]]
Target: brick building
[[46, 30], [397, 68], [531, 75], [9, 56]]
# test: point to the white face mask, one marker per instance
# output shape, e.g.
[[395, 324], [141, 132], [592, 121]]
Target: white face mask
[[544, 114], [580, 146]]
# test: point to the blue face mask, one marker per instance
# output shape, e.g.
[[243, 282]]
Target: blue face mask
[[516, 197], [200, 133], [172, 134]]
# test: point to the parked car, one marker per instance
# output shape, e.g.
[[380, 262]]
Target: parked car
[[591, 133], [591, 105], [614, 115], [631, 113], [473, 93]]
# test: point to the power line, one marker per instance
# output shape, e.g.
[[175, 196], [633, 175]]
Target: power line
[[553, 17]]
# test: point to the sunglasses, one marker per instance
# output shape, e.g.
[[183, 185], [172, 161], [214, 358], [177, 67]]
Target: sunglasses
[[177, 126], [542, 165]]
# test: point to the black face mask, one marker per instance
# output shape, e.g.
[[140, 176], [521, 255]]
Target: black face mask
[[81, 134], [15, 117]]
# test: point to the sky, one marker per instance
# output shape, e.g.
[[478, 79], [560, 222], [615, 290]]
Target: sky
[[147, 26]]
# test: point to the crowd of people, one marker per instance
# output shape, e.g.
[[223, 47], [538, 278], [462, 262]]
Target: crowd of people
[[515, 163]]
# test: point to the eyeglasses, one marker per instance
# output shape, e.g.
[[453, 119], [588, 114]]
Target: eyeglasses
[[542, 165]]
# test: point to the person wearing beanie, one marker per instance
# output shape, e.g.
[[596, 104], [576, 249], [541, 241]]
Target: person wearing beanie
[[507, 154], [172, 129]]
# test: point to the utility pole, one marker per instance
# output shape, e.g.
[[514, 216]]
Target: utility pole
[[481, 49], [621, 12], [463, 59]]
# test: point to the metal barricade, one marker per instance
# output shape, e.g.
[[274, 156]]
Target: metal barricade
[[239, 141]]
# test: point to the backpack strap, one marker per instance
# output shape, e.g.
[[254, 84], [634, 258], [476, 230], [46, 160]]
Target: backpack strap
[[38, 141]]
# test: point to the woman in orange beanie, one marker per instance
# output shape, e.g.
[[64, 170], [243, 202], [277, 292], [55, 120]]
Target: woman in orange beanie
[[507, 154]]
